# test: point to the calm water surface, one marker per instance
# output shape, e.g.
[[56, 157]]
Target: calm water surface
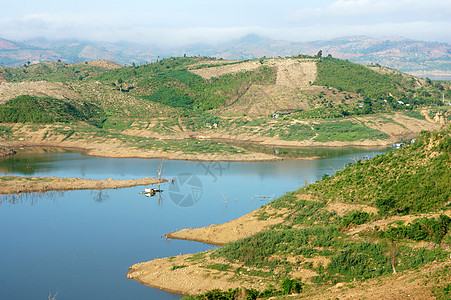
[[80, 244]]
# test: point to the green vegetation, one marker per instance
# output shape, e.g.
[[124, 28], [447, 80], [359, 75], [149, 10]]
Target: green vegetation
[[442, 283], [354, 218], [219, 267], [292, 132], [169, 82], [4, 131], [399, 181], [187, 90], [346, 131], [311, 232], [55, 72], [27, 109], [378, 90], [178, 267], [415, 114], [165, 98], [346, 76], [171, 96], [367, 82], [288, 286], [424, 229]]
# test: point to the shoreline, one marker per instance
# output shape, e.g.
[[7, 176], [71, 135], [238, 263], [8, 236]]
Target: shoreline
[[175, 237], [195, 273], [251, 156], [21, 184]]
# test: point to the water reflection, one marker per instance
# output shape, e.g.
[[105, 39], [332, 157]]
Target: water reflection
[[27, 162], [98, 196], [31, 198], [304, 152]]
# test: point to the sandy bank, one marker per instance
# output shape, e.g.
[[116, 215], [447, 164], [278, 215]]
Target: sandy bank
[[193, 273], [16, 184], [184, 274], [222, 234]]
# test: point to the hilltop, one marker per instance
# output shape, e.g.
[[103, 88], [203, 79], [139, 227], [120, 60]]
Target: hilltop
[[377, 227], [418, 58], [203, 108]]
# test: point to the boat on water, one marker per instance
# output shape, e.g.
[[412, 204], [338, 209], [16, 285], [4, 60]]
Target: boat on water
[[151, 192]]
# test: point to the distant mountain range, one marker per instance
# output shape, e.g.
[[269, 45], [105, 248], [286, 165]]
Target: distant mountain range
[[418, 58]]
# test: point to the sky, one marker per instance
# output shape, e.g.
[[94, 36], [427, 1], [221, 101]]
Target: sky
[[170, 23]]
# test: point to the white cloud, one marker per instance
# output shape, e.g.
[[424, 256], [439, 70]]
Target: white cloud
[[373, 11], [181, 22]]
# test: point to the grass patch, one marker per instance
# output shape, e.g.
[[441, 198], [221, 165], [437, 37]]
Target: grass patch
[[346, 131], [218, 267]]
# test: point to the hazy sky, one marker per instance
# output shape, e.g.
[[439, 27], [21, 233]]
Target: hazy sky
[[177, 22]]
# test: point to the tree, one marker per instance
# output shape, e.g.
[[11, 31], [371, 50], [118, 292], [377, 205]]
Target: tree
[[119, 82], [319, 54]]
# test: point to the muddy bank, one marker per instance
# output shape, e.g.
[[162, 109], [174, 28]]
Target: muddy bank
[[17, 184]]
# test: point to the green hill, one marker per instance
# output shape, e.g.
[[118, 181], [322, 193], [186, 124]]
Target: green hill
[[415, 179], [27, 109], [324, 222], [171, 83], [326, 100]]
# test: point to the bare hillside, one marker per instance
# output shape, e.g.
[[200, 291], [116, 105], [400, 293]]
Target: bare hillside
[[295, 73], [36, 88], [105, 64], [264, 100], [292, 77], [230, 68]]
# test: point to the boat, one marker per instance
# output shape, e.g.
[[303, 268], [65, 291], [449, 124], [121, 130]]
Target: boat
[[150, 192]]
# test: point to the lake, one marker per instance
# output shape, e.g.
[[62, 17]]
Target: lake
[[80, 244]]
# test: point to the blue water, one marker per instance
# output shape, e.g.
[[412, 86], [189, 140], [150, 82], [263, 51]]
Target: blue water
[[80, 244]]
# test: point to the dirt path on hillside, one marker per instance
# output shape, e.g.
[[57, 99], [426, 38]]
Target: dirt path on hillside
[[16, 184]]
